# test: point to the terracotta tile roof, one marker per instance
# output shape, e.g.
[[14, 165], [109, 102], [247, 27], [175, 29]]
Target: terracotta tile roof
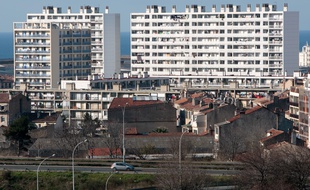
[[4, 98], [181, 101], [46, 118], [103, 152], [186, 103], [175, 134], [131, 131], [197, 95], [273, 133], [246, 113], [131, 103]]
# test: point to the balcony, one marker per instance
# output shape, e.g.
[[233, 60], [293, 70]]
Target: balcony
[[294, 116], [294, 104]]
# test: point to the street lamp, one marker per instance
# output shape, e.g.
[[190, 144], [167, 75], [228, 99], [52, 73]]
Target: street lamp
[[39, 169], [73, 161], [106, 183], [123, 111], [180, 149], [180, 158]]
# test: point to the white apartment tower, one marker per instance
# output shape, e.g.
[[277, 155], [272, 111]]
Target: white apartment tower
[[304, 56], [52, 46], [259, 41]]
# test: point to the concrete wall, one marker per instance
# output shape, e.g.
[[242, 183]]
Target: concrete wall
[[219, 115], [249, 128], [146, 117], [18, 105]]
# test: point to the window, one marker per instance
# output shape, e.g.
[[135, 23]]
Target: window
[[2, 119]]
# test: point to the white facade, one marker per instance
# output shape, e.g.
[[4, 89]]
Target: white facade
[[52, 46], [228, 42], [304, 56]]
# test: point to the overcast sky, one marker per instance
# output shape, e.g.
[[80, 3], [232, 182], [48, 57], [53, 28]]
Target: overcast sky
[[16, 10]]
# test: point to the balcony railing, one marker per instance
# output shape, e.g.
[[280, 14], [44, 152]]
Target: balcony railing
[[294, 115]]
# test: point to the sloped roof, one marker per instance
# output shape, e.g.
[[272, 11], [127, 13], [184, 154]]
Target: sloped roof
[[45, 118], [254, 109], [186, 103], [129, 102], [273, 133], [4, 98]]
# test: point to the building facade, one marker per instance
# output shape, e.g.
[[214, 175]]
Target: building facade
[[52, 46], [304, 56], [228, 42], [12, 106]]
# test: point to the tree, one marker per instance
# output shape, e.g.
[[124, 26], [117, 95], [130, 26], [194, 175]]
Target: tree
[[142, 151], [18, 133], [285, 166], [113, 139], [89, 125], [160, 130], [170, 177], [256, 173], [294, 165]]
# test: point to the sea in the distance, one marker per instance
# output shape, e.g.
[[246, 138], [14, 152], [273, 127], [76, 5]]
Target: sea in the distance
[[6, 43]]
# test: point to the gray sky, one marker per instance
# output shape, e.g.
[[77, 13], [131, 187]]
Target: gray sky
[[16, 10]]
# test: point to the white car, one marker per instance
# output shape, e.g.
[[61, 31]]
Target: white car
[[121, 166]]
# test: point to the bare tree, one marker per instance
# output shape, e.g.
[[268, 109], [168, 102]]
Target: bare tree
[[186, 146], [142, 151], [293, 163], [286, 166], [257, 170], [171, 177], [113, 139], [238, 139]]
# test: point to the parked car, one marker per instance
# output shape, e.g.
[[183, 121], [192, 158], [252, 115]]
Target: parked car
[[121, 166]]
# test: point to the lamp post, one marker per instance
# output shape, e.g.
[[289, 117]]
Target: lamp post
[[180, 149], [106, 183], [73, 161], [38, 169], [123, 111], [180, 158]]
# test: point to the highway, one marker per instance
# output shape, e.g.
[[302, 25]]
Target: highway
[[97, 169]]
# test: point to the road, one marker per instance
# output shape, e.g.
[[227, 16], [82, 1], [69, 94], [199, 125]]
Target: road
[[96, 169]]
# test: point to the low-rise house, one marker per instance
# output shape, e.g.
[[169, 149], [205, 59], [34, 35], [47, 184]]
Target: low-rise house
[[199, 113], [44, 119], [13, 106], [145, 115], [237, 134], [274, 136]]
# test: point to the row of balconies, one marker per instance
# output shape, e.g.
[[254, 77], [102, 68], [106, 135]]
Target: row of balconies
[[25, 51], [74, 43], [25, 35], [86, 58], [75, 67], [75, 51], [32, 43], [33, 67], [30, 75], [74, 35]]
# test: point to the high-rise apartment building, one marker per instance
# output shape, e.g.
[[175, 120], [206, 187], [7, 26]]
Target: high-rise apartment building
[[304, 56], [52, 46], [227, 42]]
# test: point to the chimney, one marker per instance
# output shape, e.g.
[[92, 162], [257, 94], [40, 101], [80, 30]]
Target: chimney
[[293, 137], [201, 103], [174, 8], [107, 10], [194, 101]]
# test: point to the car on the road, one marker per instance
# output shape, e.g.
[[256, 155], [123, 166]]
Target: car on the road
[[121, 166]]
